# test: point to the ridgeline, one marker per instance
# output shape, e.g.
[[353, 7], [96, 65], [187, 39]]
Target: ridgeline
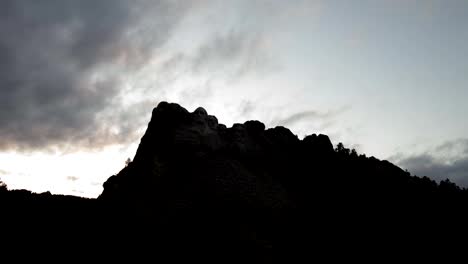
[[241, 194]]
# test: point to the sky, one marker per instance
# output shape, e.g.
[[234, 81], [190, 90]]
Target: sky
[[78, 79]]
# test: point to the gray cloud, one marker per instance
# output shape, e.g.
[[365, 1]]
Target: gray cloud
[[298, 117], [238, 53], [457, 146], [230, 55], [72, 178], [246, 108], [65, 67], [196, 76], [304, 116], [61, 64], [447, 161], [78, 191]]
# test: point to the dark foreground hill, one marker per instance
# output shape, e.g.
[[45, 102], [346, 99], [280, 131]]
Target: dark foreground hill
[[242, 194]]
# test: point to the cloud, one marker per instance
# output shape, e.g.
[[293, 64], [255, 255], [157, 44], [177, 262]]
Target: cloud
[[298, 117], [228, 55], [459, 146], [70, 70], [62, 65], [447, 161], [72, 178], [308, 115], [235, 52], [246, 108]]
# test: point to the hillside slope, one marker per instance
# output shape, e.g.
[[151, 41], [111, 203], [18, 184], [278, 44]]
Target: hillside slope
[[242, 191]]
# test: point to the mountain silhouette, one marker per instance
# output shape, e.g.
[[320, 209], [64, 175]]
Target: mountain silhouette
[[196, 185]]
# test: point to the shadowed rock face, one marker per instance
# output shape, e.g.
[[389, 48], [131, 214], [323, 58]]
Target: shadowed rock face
[[189, 159], [241, 194], [265, 190]]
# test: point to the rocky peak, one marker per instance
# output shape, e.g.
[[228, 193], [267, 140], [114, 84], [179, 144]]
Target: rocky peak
[[320, 143], [176, 137]]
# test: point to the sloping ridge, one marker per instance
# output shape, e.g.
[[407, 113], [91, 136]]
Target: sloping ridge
[[251, 189], [189, 160], [241, 194]]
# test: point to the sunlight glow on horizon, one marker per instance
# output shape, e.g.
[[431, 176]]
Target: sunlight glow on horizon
[[81, 173], [385, 77]]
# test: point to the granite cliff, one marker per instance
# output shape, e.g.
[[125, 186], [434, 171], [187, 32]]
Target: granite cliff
[[242, 194], [189, 159]]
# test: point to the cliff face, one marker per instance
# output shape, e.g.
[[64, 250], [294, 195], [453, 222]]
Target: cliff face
[[251, 189], [242, 194], [189, 159]]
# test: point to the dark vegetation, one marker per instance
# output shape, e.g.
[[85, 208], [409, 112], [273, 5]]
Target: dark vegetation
[[196, 186]]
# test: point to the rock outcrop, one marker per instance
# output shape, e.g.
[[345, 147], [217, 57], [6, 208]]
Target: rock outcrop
[[189, 159], [241, 194]]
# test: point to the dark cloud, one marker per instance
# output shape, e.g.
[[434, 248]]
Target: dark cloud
[[64, 68], [61, 64], [72, 178], [447, 161]]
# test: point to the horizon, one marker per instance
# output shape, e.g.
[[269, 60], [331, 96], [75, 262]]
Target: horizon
[[78, 80]]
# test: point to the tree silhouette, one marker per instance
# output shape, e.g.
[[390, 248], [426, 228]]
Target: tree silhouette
[[448, 186], [340, 148], [3, 186], [245, 190], [128, 161]]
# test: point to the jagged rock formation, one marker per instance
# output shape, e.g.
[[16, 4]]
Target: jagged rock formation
[[243, 194], [264, 188], [189, 159]]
